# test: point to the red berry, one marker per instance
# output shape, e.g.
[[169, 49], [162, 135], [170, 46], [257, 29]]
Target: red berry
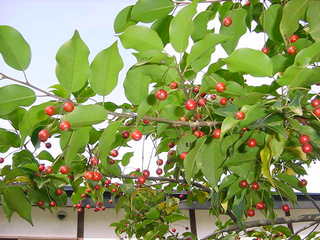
[[49, 170], [161, 94], [97, 176], [227, 21], [196, 89], [220, 87], [65, 126], [146, 173], [183, 155], [198, 133], [303, 183], [88, 206], [125, 134], [248, 3], [41, 167], [307, 148], [97, 187], [145, 121], [88, 175], [107, 182], [260, 205], [68, 106], [173, 230], [216, 133], [292, 50], [159, 171], [48, 145], [294, 38], [94, 161], [59, 191], [191, 104], [114, 153], [316, 112], [252, 142], [202, 102], [43, 135], [50, 110], [251, 213], [255, 186], [223, 101], [53, 204], [40, 203], [213, 96], [315, 102], [1, 160], [265, 50], [240, 115], [304, 139], [111, 161], [203, 94], [141, 180], [173, 85], [171, 144], [285, 208], [159, 162], [136, 135], [64, 170], [243, 184]]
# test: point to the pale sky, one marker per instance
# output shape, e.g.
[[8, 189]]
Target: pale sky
[[47, 24]]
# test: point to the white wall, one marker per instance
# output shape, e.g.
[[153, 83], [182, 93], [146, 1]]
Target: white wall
[[97, 225]]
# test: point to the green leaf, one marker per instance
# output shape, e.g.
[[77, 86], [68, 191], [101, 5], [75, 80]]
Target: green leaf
[[72, 64], [126, 158], [32, 118], [228, 123], [253, 113], [15, 117], [123, 20], [181, 28], [193, 156], [292, 181], [16, 201], [153, 213], [149, 10], [45, 155], [233, 190], [271, 19], [185, 143], [23, 157], [201, 25], [161, 26], [13, 96], [250, 61], [293, 11], [211, 160], [107, 138], [308, 55], [299, 77], [8, 139], [313, 19], [286, 191], [266, 157], [201, 51], [14, 49], [6, 210], [86, 115], [72, 142], [105, 70], [280, 63], [235, 30], [141, 38]]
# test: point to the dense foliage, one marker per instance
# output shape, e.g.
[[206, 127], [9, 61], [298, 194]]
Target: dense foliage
[[227, 142]]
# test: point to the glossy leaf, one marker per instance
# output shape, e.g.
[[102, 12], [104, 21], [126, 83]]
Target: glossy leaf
[[123, 20], [293, 11], [271, 21], [299, 77], [150, 10], [250, 61], [14, 49], [141, 39], [72, 64], [106, 140], [105, 70], [308, 55], [181, 28], [228, 123], [161, 26], [201, 25], [86, 115], [235, 30], [13, 96], [313, 19]]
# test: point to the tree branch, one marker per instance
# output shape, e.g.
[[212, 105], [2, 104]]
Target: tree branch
[[266, 222], [313, 202], [163, 120], [3, 76]]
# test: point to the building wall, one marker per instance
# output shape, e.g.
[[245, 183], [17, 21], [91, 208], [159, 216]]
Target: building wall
[[97, 225]]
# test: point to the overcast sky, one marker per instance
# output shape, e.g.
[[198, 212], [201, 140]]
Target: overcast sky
[[47, 24]]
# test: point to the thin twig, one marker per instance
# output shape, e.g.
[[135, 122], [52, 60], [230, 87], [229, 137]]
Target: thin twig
[[303, 229], [313, 202]]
